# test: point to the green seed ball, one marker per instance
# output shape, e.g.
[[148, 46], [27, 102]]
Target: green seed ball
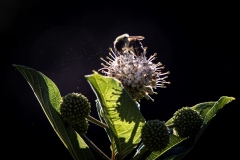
[[187, 122], [81, 127], [74, 107], [155, 135]]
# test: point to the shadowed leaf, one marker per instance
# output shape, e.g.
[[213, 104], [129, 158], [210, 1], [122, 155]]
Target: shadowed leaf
[[120, 112], [49, 97], [179, 147]]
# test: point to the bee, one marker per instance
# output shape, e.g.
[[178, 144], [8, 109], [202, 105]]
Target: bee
[[126, 42]]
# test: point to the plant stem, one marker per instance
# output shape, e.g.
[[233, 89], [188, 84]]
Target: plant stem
[[97, 122], [113, 152], [93, 146], [171, 125]]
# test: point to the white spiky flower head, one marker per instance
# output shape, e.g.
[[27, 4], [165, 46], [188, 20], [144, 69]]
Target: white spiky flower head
[[138, 75]]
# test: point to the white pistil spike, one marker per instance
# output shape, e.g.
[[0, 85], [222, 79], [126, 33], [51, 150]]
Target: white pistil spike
[[102, 69], [164, 77], [112, 55], [148, 97], [159, 64], [105, 61], [159, 69], [152, 57], [104, 65], [110, 59], [161, 86]]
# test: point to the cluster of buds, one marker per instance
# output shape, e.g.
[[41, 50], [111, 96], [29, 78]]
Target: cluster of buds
[[74, 109], [129, 64], [155, 135], [187, 122]]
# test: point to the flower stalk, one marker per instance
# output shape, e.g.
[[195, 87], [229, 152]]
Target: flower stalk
[[93, 146], [97, 122]]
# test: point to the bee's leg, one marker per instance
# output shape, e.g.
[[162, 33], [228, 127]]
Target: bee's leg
[[134, 48]]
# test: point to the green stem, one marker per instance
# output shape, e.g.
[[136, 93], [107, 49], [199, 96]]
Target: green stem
[[93, 146], [113, 152], [97, 122]]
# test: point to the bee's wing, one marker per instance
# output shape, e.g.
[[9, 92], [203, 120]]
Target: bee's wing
[[136, 37]]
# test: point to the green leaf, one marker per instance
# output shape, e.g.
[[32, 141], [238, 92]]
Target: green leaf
[[120, 112], [179, 147], [49, 97], [216, 107], [102, 118]]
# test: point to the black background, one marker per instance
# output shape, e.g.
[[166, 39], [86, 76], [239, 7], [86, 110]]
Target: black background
[[65, 40]]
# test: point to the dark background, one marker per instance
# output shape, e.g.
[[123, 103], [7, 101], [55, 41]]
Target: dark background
[[65, 40]]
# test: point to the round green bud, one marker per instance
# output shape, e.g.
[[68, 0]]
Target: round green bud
[[187, 122], [155, 135], [74, 107], [81, 127]]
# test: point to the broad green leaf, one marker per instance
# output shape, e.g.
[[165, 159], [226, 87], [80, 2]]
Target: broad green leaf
[[108, 131], [49, 97], [120, 112], [179, 147], [216, 107], [174, 140]]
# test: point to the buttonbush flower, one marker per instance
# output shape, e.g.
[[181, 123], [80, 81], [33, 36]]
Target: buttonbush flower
[[187, 122], [139, 75], [74, 107], [155, 135], [81, 126]]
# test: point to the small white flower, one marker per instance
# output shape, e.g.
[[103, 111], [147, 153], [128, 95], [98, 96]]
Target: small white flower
[[138, 75]]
